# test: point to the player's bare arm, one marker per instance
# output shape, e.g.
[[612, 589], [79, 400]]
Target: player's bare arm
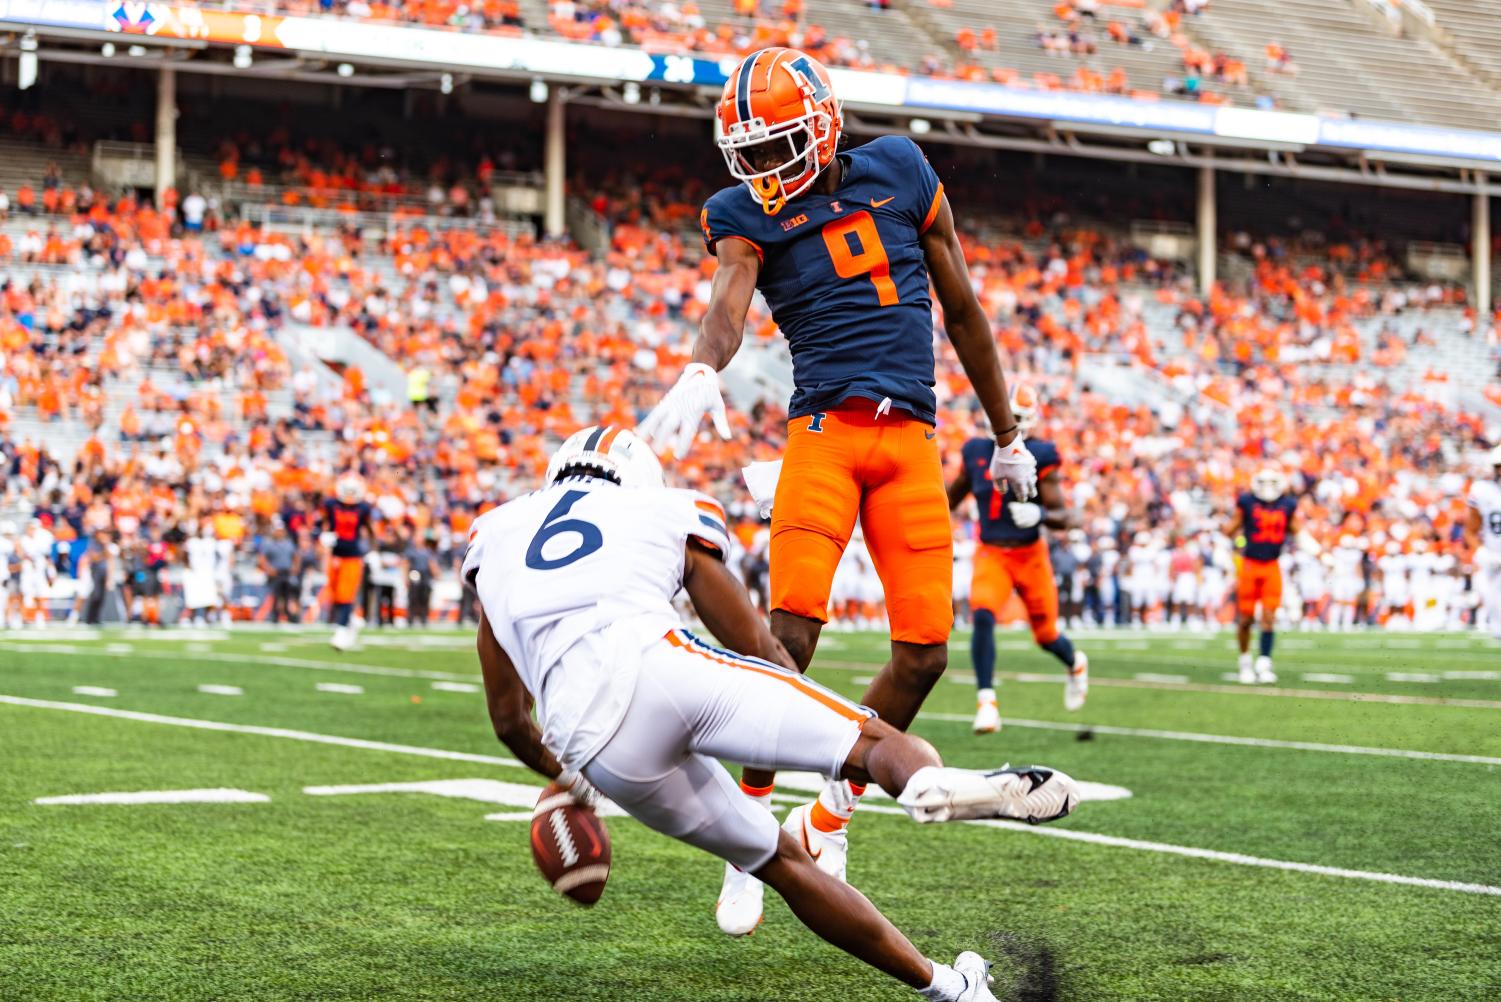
[[723, 326], [510, 705], [1236, 524], [725, 608], [1474, 523], [964, 319], [1055, 513], [958, 488]]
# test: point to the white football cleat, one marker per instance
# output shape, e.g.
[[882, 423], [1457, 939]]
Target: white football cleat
[[343, 639], [739, 908], [976, 971], [1264, 673], [830, 850], [1076, 687], [1034, 794], [987, 716], [1247, 673]]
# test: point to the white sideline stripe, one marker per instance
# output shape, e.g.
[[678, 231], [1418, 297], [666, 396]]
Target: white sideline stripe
[[266, 732], [1091, 837], [243, 659], [348, 690], [455, 687], [221, 690], [1147, 676], [1229, 690], [1228, 739], [219, 795], [93, 690]]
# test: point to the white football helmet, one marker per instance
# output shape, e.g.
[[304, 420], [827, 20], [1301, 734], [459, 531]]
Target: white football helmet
[[349, 489], [1269, 483], [1024, 407], [613, 453]]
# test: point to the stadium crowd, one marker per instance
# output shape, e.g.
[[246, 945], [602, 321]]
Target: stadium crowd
[[207, 451], [1075, 30]]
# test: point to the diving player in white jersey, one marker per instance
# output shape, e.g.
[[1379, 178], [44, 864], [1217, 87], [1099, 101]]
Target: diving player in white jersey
[[1483, 534], [576, 583]]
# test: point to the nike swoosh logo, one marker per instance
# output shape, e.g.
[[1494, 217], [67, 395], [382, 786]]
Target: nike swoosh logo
[[807, 844], [876, 205], [928, 434]]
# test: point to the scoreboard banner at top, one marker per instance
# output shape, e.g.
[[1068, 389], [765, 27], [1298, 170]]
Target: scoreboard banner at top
[[446, 49]]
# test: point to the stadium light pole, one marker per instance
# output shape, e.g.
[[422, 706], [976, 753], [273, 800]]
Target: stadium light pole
[[1208, 242], [166, 132], [554, 165], [1480, 233]]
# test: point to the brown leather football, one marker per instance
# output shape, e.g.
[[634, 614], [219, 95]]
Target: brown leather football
[[570, 846]]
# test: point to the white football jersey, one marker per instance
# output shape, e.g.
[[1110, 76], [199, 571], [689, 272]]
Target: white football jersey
[[1485, 497], [585, 558], [1347, 562]]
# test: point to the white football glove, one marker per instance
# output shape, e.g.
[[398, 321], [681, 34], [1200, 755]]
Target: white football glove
[[580, 789], [674, 422], [1024, 513], [1014, 465]]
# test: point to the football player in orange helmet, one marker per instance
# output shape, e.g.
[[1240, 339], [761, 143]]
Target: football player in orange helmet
[[845, 246]]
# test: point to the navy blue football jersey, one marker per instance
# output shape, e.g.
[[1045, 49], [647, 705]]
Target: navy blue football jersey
[[996, 525], [1266, 525], [845, 277]]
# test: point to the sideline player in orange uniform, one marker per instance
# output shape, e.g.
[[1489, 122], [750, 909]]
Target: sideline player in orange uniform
[[347, 516], [1013, 556], [844, 247], [1264, 516]]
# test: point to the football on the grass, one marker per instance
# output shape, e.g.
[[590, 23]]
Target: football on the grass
[[570, 845]]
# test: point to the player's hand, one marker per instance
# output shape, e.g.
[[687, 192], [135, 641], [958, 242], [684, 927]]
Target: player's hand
[[580, 789], [1013, 465], [1024, 513], [674, 422]]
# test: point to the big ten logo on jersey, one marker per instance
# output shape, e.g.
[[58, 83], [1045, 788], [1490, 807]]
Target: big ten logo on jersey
[[1270, 527], [793, 223]]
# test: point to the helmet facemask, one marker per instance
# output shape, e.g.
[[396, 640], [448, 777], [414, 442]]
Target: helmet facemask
[[794, 149]]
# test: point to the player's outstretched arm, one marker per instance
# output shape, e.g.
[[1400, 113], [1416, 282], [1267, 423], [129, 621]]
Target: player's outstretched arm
[[510, 705], [722, 603], [674, 422], [969, 331]]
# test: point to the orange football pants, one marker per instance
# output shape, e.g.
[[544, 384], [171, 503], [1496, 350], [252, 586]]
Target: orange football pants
[[1260, 581], [1026, 570], [847, 462], [344, 576]]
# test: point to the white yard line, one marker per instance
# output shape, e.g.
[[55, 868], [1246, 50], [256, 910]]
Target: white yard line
[[1063, 833], [1227, 739], [1147, 676], [267, 732]]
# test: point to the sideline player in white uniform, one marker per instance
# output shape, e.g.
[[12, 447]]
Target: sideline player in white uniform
[[1346, 581], [37, 571], [1483, 534], [576, 584], [1395, 592], [10, 572]]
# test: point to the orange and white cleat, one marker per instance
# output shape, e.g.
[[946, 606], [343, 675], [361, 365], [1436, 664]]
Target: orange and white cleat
[[1076, 688]]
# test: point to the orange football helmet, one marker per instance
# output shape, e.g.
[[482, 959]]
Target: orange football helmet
[[778, 124], [1024, 407]]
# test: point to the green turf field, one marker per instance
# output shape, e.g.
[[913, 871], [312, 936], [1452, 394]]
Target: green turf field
[[1267, 850]]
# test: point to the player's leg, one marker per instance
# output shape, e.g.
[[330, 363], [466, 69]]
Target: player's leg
[[813, 516], [1271, 600], [1033, 572], [989, 590], [1247, 594], [905, 516]]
